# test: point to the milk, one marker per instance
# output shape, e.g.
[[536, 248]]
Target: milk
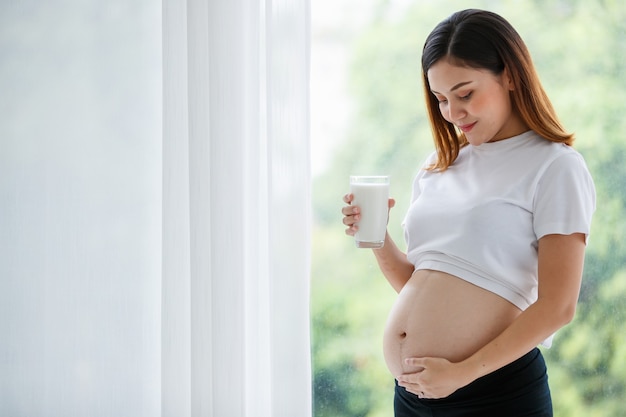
[[371, 194]]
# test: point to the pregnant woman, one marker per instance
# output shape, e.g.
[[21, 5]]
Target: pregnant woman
[[495, 233]]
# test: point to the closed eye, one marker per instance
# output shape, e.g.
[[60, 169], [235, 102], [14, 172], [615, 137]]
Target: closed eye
[[440, 99], [463, 98]]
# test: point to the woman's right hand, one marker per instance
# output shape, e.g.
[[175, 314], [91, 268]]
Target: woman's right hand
[[352, 214]]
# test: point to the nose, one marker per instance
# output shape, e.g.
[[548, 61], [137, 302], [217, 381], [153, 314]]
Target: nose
[[456, 111]]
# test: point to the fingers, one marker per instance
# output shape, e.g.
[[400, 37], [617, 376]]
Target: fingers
[[351, 215], [413, 388], [409, 379], [414, 376], [417, 362], [417, 391], [351, 218], [413, 384]]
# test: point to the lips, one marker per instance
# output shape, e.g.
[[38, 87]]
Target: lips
[[467, 128]]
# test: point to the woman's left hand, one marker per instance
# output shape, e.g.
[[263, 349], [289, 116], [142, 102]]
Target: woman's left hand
[[435, 377]]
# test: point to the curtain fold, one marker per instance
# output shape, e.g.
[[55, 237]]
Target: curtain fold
[[236, 209]]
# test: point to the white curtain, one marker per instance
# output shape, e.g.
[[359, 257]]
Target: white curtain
[[236, 209], [80, 208], [154, 208]]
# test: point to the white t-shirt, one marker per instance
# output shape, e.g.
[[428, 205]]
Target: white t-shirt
[[480, 220]]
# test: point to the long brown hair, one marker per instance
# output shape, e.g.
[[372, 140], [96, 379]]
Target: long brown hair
[[484, 40]]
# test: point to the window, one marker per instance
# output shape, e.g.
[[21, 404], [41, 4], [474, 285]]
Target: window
[[368, 117]]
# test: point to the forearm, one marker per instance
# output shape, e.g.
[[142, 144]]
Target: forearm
[[438, 377], [533, 326], [560, 273], [394, 264]]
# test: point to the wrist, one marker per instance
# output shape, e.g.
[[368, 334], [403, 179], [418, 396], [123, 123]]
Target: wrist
[[386, 242], [470, 370]]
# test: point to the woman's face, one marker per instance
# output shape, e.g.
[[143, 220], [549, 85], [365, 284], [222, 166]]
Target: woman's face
[[476, 101]]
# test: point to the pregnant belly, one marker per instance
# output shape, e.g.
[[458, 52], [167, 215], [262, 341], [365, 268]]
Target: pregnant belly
[[439, 315]]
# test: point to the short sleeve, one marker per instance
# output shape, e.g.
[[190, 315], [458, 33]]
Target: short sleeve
[[565, 198]]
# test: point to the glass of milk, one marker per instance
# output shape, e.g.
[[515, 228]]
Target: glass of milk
[[371, 194]]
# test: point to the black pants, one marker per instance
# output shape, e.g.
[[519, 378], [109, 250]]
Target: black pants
[[518, 389]]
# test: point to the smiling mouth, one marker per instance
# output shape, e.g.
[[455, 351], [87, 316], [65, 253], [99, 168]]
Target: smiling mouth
[[467, 128]]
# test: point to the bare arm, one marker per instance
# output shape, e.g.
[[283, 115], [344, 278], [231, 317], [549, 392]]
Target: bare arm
[[394, 264], [391, 260], [560, 273], [561, 259]]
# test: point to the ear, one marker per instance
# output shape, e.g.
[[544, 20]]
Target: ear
[[507, 81]]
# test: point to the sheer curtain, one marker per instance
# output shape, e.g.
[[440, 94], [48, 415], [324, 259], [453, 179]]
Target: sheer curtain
[[154, 208], [236, 209], [80, 212]]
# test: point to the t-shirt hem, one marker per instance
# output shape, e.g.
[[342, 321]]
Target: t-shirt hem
[[561, 229], [475, 278], [482, 282]]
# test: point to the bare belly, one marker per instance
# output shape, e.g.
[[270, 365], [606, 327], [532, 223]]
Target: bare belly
[[439, 315]]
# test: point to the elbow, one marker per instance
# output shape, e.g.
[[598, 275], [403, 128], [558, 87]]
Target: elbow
[[557, 313], [565, 315]]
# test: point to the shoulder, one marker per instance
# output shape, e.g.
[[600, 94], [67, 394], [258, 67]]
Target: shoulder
[[561, 157], [548, 155]]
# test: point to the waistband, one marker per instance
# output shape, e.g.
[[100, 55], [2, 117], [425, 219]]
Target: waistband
[[522, 375]]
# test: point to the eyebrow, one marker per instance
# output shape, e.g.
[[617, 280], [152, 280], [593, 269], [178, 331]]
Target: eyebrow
[[456, 87]]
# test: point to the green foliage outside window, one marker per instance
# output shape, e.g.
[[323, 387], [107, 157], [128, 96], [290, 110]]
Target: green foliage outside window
[[579, 49]]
